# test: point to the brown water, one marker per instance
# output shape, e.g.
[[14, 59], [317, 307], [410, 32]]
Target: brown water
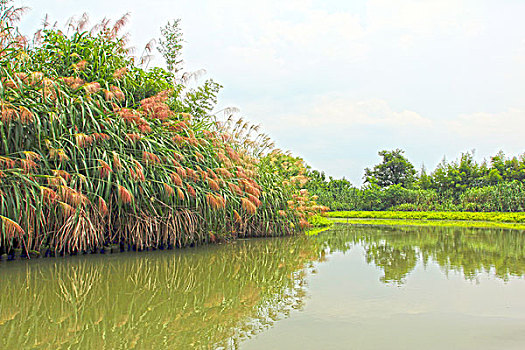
[[349, 288]]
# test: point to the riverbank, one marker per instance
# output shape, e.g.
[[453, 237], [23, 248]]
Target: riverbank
[[462, 219]]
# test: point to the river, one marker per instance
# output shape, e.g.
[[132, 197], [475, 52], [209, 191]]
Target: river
[[349, 288]]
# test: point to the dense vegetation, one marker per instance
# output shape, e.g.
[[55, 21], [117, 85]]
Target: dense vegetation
[[460, 185], [95, 149]]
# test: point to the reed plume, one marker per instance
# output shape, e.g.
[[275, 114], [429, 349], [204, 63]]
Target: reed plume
[[124, 195]]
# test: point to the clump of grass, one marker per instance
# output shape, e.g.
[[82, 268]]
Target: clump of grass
[[96, 150]]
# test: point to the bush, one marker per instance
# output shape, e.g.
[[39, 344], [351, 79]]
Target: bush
[[506, 197], [405, 207]]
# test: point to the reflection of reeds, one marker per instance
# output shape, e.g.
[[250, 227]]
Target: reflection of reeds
[[171, 300]]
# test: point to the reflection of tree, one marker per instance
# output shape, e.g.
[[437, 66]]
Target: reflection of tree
[[395, 262], [217, 296], [470, 251], [180, 299]]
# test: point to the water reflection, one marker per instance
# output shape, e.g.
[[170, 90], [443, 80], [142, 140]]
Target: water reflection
[[217, 296], [195, 298], [397, 250], [410, 288]]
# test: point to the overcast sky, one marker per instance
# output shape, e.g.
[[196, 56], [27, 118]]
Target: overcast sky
[[337, 81]]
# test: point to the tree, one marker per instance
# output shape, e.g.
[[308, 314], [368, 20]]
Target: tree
[[508, 169], [395, 169], [424, 180], [170, 46], [456, 177]]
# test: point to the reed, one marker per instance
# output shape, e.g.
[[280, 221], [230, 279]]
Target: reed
[[98, 151]]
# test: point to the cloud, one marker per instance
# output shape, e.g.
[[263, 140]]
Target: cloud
[[424, 18], [294, 39], [336, 81], [340, 134], [299, 35], [503, 128], [342, 111], [520, 52], [319, 33]]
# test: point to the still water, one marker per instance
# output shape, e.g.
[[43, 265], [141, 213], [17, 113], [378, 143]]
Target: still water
[[349, 288]]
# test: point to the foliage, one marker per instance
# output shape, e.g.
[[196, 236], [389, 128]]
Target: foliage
[[395, 169], [507, 169], [170, 46], [334, 193], [432, 215], [460, 185], [319, 224], [505, 196], [319, 221], [96, 150], [455, 177], [371, 197], [291, 170]]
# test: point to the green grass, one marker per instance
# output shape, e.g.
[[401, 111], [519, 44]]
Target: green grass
[[498, 217], [318, 224], [441, 223]]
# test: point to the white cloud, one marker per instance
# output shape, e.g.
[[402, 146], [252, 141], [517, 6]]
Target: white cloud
[[294, 38], [504, 128], [342, 111], [330, 35], [424, 18], [520, 52]]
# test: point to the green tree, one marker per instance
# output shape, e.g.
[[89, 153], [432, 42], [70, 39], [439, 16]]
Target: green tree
[[424, 180], [395, 169], [170, 46], [509, 169], [454, 178]]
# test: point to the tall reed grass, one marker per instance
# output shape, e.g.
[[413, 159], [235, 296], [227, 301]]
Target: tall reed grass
[[96, 150]]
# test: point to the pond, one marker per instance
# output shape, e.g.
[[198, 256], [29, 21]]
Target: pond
[[348, 288]]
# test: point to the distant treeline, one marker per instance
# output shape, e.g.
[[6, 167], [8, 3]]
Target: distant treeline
[[460, 185]]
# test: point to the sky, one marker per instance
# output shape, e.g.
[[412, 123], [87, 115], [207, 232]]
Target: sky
[[336, 81]]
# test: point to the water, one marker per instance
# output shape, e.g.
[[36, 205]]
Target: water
[[349, 288], [416, 288]]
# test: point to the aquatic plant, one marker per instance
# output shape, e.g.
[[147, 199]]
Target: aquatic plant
[[96, 150]]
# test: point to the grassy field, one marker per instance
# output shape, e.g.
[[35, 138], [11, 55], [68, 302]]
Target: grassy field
[[514, 221], [428, 216], [442, 223]]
